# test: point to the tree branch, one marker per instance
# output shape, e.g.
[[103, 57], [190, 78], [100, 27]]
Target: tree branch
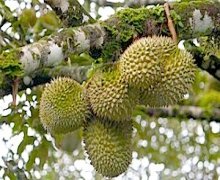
[[103, 3], [207, 54], [70, 12], [130, 3], [183, 112], [79, 73], [139, 3], [110, 38]]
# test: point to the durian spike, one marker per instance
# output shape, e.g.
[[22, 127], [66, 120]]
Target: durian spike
[[108, 145], [109, 96], [176, 80], [142, 62], [63, 107]]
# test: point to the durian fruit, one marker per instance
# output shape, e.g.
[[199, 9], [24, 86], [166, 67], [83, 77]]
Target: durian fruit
[[176, 79], [140, 64], [62, 106], [108, 145], [109, 96]]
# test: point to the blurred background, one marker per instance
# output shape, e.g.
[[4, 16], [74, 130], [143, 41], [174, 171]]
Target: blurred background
[[179, 142]]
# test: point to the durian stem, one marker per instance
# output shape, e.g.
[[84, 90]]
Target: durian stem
[[170, 22]]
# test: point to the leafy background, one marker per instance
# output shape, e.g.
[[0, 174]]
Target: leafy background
[[163, 148]]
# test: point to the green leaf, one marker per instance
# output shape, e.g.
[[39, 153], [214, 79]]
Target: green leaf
[[28, 140], [43, 154], [180, 24], [27, 18], [31, 160], [11, 175]]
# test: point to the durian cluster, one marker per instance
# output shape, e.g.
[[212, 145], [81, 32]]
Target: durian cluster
[[152, 72]]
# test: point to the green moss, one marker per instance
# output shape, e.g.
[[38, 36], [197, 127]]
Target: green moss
[[134, 18], [210, 99], [121, 29], [75, 13], [186, 8], [109, 49], [127, 25], [10, 67], [74, 16], [10, 64], [64, 39]]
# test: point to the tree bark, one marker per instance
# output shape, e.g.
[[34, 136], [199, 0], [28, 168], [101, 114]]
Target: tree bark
[[108, 39], [70, 12], [184, 112], [130, 3]]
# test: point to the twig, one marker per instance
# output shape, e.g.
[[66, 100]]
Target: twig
[[140, 3], [193, 112], [170, 22], [15, 90]]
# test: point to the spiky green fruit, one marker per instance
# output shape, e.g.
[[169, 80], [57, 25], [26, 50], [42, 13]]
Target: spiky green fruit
[[176, 79], [62, 106], [140, 64], [108, 145], [109, 96]]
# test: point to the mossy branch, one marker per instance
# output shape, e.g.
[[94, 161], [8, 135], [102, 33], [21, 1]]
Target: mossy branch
[[79, 73], [130, 3], [207, 53], [108, 39], [139, 3], [70, 12]]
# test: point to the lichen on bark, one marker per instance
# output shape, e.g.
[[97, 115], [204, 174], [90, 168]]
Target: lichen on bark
[[199, 17], [70, 12]]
